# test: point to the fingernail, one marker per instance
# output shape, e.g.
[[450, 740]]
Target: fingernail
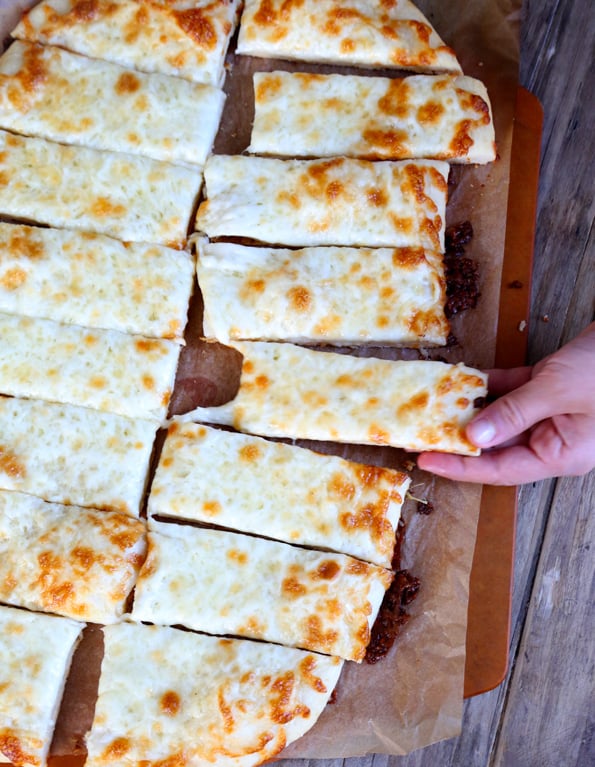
[[481, 432]]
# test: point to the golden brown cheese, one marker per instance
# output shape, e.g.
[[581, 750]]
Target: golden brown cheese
[[171, 698], [35, 655], [288, 391], [185, 38], [438, 117], [102, 369], [53, 94], [225, 583], [367, 33], [337, 201], [332, 295], [278, 491], [80, 563], [74, 455], [121, 195], [95, 281]]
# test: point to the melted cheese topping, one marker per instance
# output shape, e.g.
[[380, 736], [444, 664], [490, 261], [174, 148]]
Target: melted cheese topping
[[74, 455], [278, 491], [287, 391], [368, 33], [170, 697], [127, 197], [94, 281], [442, 117], [35, 655], [338, 201], [102, 369], [76, 562], [57, 95], [186, 38], [329, 295], [219, 582]]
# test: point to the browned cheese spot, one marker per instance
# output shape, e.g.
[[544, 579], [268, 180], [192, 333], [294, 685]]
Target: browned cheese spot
[[408, 258], [146, 345], [335, 18], [212, 508], [289, 197], [377, 197], [333, 190], [474, 103], [249, 453], [341, 486], [327, 570], [317, 172], [416, 403], [299, 298], [53, 593], [395, 102], [281, 697], [126, 538], [386, 143], [116, 749], [378, 435], [357, 567], [462, 141], [97, 382], [430, 113], [13, 278], [316, 636], [127, 83], [83, 558], [85, 10], [421, 321], [197, 26], [30, 77], [237, 556], [170, 703], [11, 465], [225, 710], [371, 517], [268, 88], [104, 207], [12, 748], [24, 243], [266, 14], [292, 588], [403, 225], [256, 286], [306, 668]]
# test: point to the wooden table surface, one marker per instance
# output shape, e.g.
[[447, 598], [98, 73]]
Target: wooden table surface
[[543, 714]]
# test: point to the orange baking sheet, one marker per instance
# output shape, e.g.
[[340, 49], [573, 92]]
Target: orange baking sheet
[[490, 594]]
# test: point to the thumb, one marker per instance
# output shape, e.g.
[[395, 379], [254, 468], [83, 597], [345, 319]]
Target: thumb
[[513, 414]]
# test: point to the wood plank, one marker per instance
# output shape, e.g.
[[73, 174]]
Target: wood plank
[[549, 718]]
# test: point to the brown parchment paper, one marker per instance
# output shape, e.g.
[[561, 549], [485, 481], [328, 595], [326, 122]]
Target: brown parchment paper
[[414, 696]]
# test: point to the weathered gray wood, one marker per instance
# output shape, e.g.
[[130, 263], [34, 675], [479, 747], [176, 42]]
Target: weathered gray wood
[[549, 718]]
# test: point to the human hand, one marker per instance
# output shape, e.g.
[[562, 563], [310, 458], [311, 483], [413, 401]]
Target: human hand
[[541, 425]]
